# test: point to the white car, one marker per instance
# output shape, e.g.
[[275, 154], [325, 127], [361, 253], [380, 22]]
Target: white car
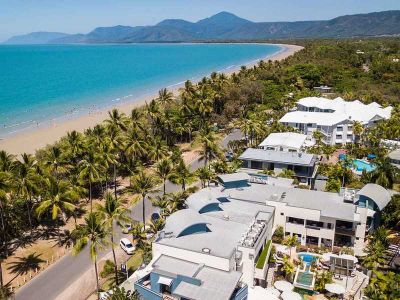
[[126, 245]]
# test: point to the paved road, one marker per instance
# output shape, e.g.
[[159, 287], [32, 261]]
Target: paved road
[[49, 284]]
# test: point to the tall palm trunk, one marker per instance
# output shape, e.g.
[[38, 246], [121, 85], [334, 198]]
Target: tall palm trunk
[[115, 181], [29, 212], [143, 208], [97, 278], [114, 257], [3, 229], [1, 273], [90, 195], [183, 185], [164, 187]]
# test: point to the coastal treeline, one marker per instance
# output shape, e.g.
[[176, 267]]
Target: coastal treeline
[[39, 193]]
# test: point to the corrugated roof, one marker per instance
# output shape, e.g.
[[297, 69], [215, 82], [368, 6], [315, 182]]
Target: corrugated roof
[[302, 159], [285, 139], [215, 284], [377, 193]]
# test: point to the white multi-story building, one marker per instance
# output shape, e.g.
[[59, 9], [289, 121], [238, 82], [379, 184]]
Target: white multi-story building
[[334, 118], [286, 142], [224, 233]]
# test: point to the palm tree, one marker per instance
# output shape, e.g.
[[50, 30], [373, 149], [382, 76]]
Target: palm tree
[[26, 181], [165, 97], [6, 161], [205, 175], [155, 226], [210, 147], [158, 149], [182, 175], [288, 267], [55, 161], [94, 234], [164, 169], [113, 211], [358, 130], [89, 169], [291, 241], [135, 146], [384, 174], [116, 119], [58, 200], [138, 233], [143, 184]]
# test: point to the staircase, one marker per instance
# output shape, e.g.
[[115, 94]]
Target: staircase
[[270, 275], [355, 292]]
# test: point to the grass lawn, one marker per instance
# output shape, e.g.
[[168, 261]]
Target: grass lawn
[[134, 261]]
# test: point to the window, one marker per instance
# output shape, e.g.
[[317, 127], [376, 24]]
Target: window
[[339, 136], [339, 128], [282, 214], [309, 124], [329, 225]]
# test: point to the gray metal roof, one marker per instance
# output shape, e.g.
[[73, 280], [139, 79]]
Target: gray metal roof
[[329, 204], [377, 193], [215, 284], [225, 178], [289, 158], [168, 264]]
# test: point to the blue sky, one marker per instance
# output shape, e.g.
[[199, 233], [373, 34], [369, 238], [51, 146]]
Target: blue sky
[[72, 16]]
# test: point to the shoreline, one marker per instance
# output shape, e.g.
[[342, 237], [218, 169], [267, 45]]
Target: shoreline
[[33, 139]]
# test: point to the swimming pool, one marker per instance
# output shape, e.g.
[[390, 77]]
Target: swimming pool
[[305, 278], [307, 257], [360, 165]]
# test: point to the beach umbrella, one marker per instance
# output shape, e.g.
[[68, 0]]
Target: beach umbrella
[[283, 249], [274, 291], [335, 288], [259, 293], [327, 256], [283, 285], [290, 295]]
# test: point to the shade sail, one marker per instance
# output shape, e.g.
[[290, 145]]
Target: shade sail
[[164, 280]]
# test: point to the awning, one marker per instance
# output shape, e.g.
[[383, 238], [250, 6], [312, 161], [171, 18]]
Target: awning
[[164, 280]]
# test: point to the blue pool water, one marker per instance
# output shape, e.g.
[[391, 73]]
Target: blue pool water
[[307, 258], [361, 165], [43, 82]]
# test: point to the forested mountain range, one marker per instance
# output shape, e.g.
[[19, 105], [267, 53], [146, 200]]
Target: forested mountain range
[[225, 26]]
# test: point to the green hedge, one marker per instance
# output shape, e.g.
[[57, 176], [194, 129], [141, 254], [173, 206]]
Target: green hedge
[[263, 255]]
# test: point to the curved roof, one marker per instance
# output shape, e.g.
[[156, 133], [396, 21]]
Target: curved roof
[[377, 193], [201, 199], [285, 139], [182, 219]]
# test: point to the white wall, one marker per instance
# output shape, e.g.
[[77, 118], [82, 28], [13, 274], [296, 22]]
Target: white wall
[[210, 260]]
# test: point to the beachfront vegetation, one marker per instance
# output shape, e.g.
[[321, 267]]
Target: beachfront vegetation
[[39, 193]]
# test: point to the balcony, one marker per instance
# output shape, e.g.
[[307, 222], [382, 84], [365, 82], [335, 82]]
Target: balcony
[[345, 231], [251, 237]]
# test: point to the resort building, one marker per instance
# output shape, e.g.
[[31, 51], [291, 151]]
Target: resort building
[[286, 142], [304, 165], [334, 118], [394, 157], [219, 245]]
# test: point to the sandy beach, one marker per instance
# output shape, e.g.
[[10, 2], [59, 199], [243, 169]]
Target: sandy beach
[[31, 140]]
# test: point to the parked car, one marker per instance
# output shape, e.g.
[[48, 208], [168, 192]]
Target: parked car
[[127, 246], [126, 227]]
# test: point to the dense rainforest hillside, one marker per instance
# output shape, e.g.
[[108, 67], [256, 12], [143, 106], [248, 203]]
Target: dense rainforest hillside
[[225, 26]]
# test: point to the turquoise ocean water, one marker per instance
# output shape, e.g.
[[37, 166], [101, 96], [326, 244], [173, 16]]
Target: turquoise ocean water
[[40, 84]]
